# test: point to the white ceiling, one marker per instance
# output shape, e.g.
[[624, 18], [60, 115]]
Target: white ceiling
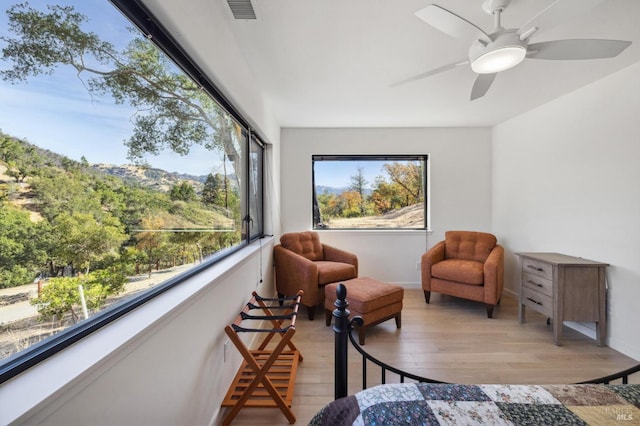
[[330, 63]]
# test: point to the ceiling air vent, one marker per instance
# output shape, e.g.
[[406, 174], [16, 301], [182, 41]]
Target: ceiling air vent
[[242, 9]]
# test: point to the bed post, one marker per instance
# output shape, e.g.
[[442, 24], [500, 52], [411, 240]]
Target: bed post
[[341, 331]]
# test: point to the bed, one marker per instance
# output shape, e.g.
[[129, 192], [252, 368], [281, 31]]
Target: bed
[[426, 401], [452, 404]]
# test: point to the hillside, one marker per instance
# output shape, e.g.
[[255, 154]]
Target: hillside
[[407, 217], [22, 195], [56, 211], [149, 177]]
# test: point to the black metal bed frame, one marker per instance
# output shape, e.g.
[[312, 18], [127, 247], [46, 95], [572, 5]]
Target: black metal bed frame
[[343, 328]]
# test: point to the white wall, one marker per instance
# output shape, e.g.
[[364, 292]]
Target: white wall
[[460, 162], [566, 179]]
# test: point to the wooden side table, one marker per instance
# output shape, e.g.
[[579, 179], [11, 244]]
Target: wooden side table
[[564, 288]]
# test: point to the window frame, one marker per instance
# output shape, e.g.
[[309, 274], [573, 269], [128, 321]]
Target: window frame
[[315, 216], [151, 28], [256, 188]]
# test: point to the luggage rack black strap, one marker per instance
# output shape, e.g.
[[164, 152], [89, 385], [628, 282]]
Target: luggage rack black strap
[[289, 306], [277, 299], [246, 316], [239, 329]]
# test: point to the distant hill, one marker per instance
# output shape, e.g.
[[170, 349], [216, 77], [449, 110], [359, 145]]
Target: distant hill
[[320, 189], [149, 177]]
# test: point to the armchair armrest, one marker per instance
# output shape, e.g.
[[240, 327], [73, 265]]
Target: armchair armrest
[[336, 255], [434, 255], [494, 275], [295, 272]]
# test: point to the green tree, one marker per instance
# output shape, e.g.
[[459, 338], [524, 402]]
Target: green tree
[[187, 245], [64, 192], [152, 240], [70, 165], [58, 297], [210, 189], [172, 111], [408, 178], [23, 249], [62, 295], [109, 192], [352, 204], [329, 207], [404, 187], [81, 239], [10, 148], [25, 162], [131, 258], [386, 196], [98, 285], [219, 191], [358, 184], [182, 191]]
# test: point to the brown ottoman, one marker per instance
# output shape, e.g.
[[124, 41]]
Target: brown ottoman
[[373, 300]]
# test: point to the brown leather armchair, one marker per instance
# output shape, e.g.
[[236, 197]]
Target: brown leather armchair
[[303, 262], [466, 264]]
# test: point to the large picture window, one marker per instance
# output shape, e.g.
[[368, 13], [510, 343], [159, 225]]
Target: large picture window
[[370, 192], [122, 168]]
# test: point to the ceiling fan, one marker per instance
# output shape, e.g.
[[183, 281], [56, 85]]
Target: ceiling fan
[[504, 48]]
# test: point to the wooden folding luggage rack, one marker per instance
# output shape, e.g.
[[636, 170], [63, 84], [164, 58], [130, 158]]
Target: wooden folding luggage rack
[[267, 377]]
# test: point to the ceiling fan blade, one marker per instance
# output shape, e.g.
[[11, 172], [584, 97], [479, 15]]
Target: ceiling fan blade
[[576, 49], [451, 24], [432, 72], [481, 85], [557, 13]]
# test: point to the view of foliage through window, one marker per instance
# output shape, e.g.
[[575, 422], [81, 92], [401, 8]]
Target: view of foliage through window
[[117, 171], [369, 192]]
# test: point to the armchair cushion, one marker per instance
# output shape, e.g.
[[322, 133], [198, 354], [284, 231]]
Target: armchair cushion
[[463, 271], [331, 272]]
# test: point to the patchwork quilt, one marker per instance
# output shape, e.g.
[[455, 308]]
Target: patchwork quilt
[[451, 404]]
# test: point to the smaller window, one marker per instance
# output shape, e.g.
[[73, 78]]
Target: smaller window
[[370, 191]]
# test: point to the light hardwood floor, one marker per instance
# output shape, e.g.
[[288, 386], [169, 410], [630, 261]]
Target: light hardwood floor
[[449, 340]]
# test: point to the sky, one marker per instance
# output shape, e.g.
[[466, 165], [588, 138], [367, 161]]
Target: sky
[[337, 174], [56, 111]]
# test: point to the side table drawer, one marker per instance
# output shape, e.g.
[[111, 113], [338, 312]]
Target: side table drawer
[[537, 283], [541, 269], [538, 301]]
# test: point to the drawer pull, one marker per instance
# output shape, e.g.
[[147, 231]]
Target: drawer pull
[[534, 301], [535, 268], [535, 283]]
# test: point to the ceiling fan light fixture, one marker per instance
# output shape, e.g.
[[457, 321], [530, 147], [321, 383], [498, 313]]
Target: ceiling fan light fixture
[[506, 51], [499, 60]]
